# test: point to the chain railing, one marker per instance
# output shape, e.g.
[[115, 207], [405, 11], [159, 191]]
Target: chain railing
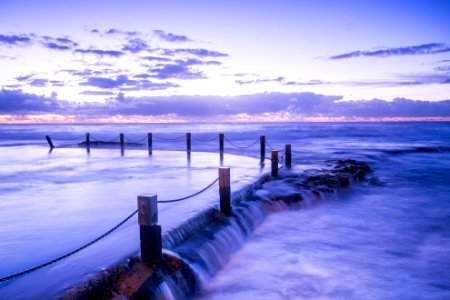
[[241, 147], [30, 270]]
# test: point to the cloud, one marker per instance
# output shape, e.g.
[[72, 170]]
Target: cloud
[[58, 43], [135, 46], [18, 102], [282, 81], [113, 31], [179, 70], [20, 39], [294, 104], [39, 82], [123, 83], [97, 93], [431, 48], [202, 53], [170, 37], [112, 53], [155, 58]]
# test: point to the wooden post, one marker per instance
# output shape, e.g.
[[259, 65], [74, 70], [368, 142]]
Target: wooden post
[[188, 143], [88, 142], [122, 139], [221, 139], [49, 141], [274, 158], [150, 232], [225, 191], [262, 140], [150, 143], [122, 142], [288, 156], [221, 142]]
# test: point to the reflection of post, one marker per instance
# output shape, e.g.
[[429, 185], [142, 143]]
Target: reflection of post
[[122, 142], [150, 143], [262, 140], [225, 191], [274, 158], [88, 142], [49, 141], [188, 143], [221, 147], [288, 156], [150, 232]]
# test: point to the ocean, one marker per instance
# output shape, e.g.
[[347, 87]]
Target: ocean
[[385, 238]]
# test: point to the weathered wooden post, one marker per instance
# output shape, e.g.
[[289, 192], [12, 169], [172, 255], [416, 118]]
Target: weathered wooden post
[[274, 159], [188, 143], [88, 142], [150, 143], [221, 147], [221, 140], [287, 156], [149, 231], [262, 140], [49, 141], [225, 191]]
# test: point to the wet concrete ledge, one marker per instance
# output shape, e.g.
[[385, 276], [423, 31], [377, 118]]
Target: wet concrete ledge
[[174, 276]]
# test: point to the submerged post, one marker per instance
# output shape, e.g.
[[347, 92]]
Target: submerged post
[[122, 142], [122, 139], [288, 156], [225, 191], [262, 140], [274, 159], [49, 141], [188, 143], [149, 231], [88, 142], [150, 143]]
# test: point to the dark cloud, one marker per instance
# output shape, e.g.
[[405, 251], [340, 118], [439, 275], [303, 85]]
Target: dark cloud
[[155, 58], [175, 71], [300, 104], [135, 46], [18, 102], [20, 39], [197, 52], [170, 37], [39, 82], [123, 83], [98, 52], [25, 77], [58, 43], [109, 83], [431, 48]]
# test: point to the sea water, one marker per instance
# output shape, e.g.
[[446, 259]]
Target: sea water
[[388, 238]]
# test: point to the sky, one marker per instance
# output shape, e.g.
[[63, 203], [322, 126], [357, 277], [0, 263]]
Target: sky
[[214, 61]]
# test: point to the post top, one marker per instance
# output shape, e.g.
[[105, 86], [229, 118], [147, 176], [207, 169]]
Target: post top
[[147, 195]]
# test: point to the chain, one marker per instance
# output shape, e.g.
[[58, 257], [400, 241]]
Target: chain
[[204, 141], [169, 139], [68, 139], [68, 254], [242, 147], [190, 196], [135, 141]]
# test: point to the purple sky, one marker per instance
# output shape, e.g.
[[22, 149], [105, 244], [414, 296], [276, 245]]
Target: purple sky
[[239, 60]]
